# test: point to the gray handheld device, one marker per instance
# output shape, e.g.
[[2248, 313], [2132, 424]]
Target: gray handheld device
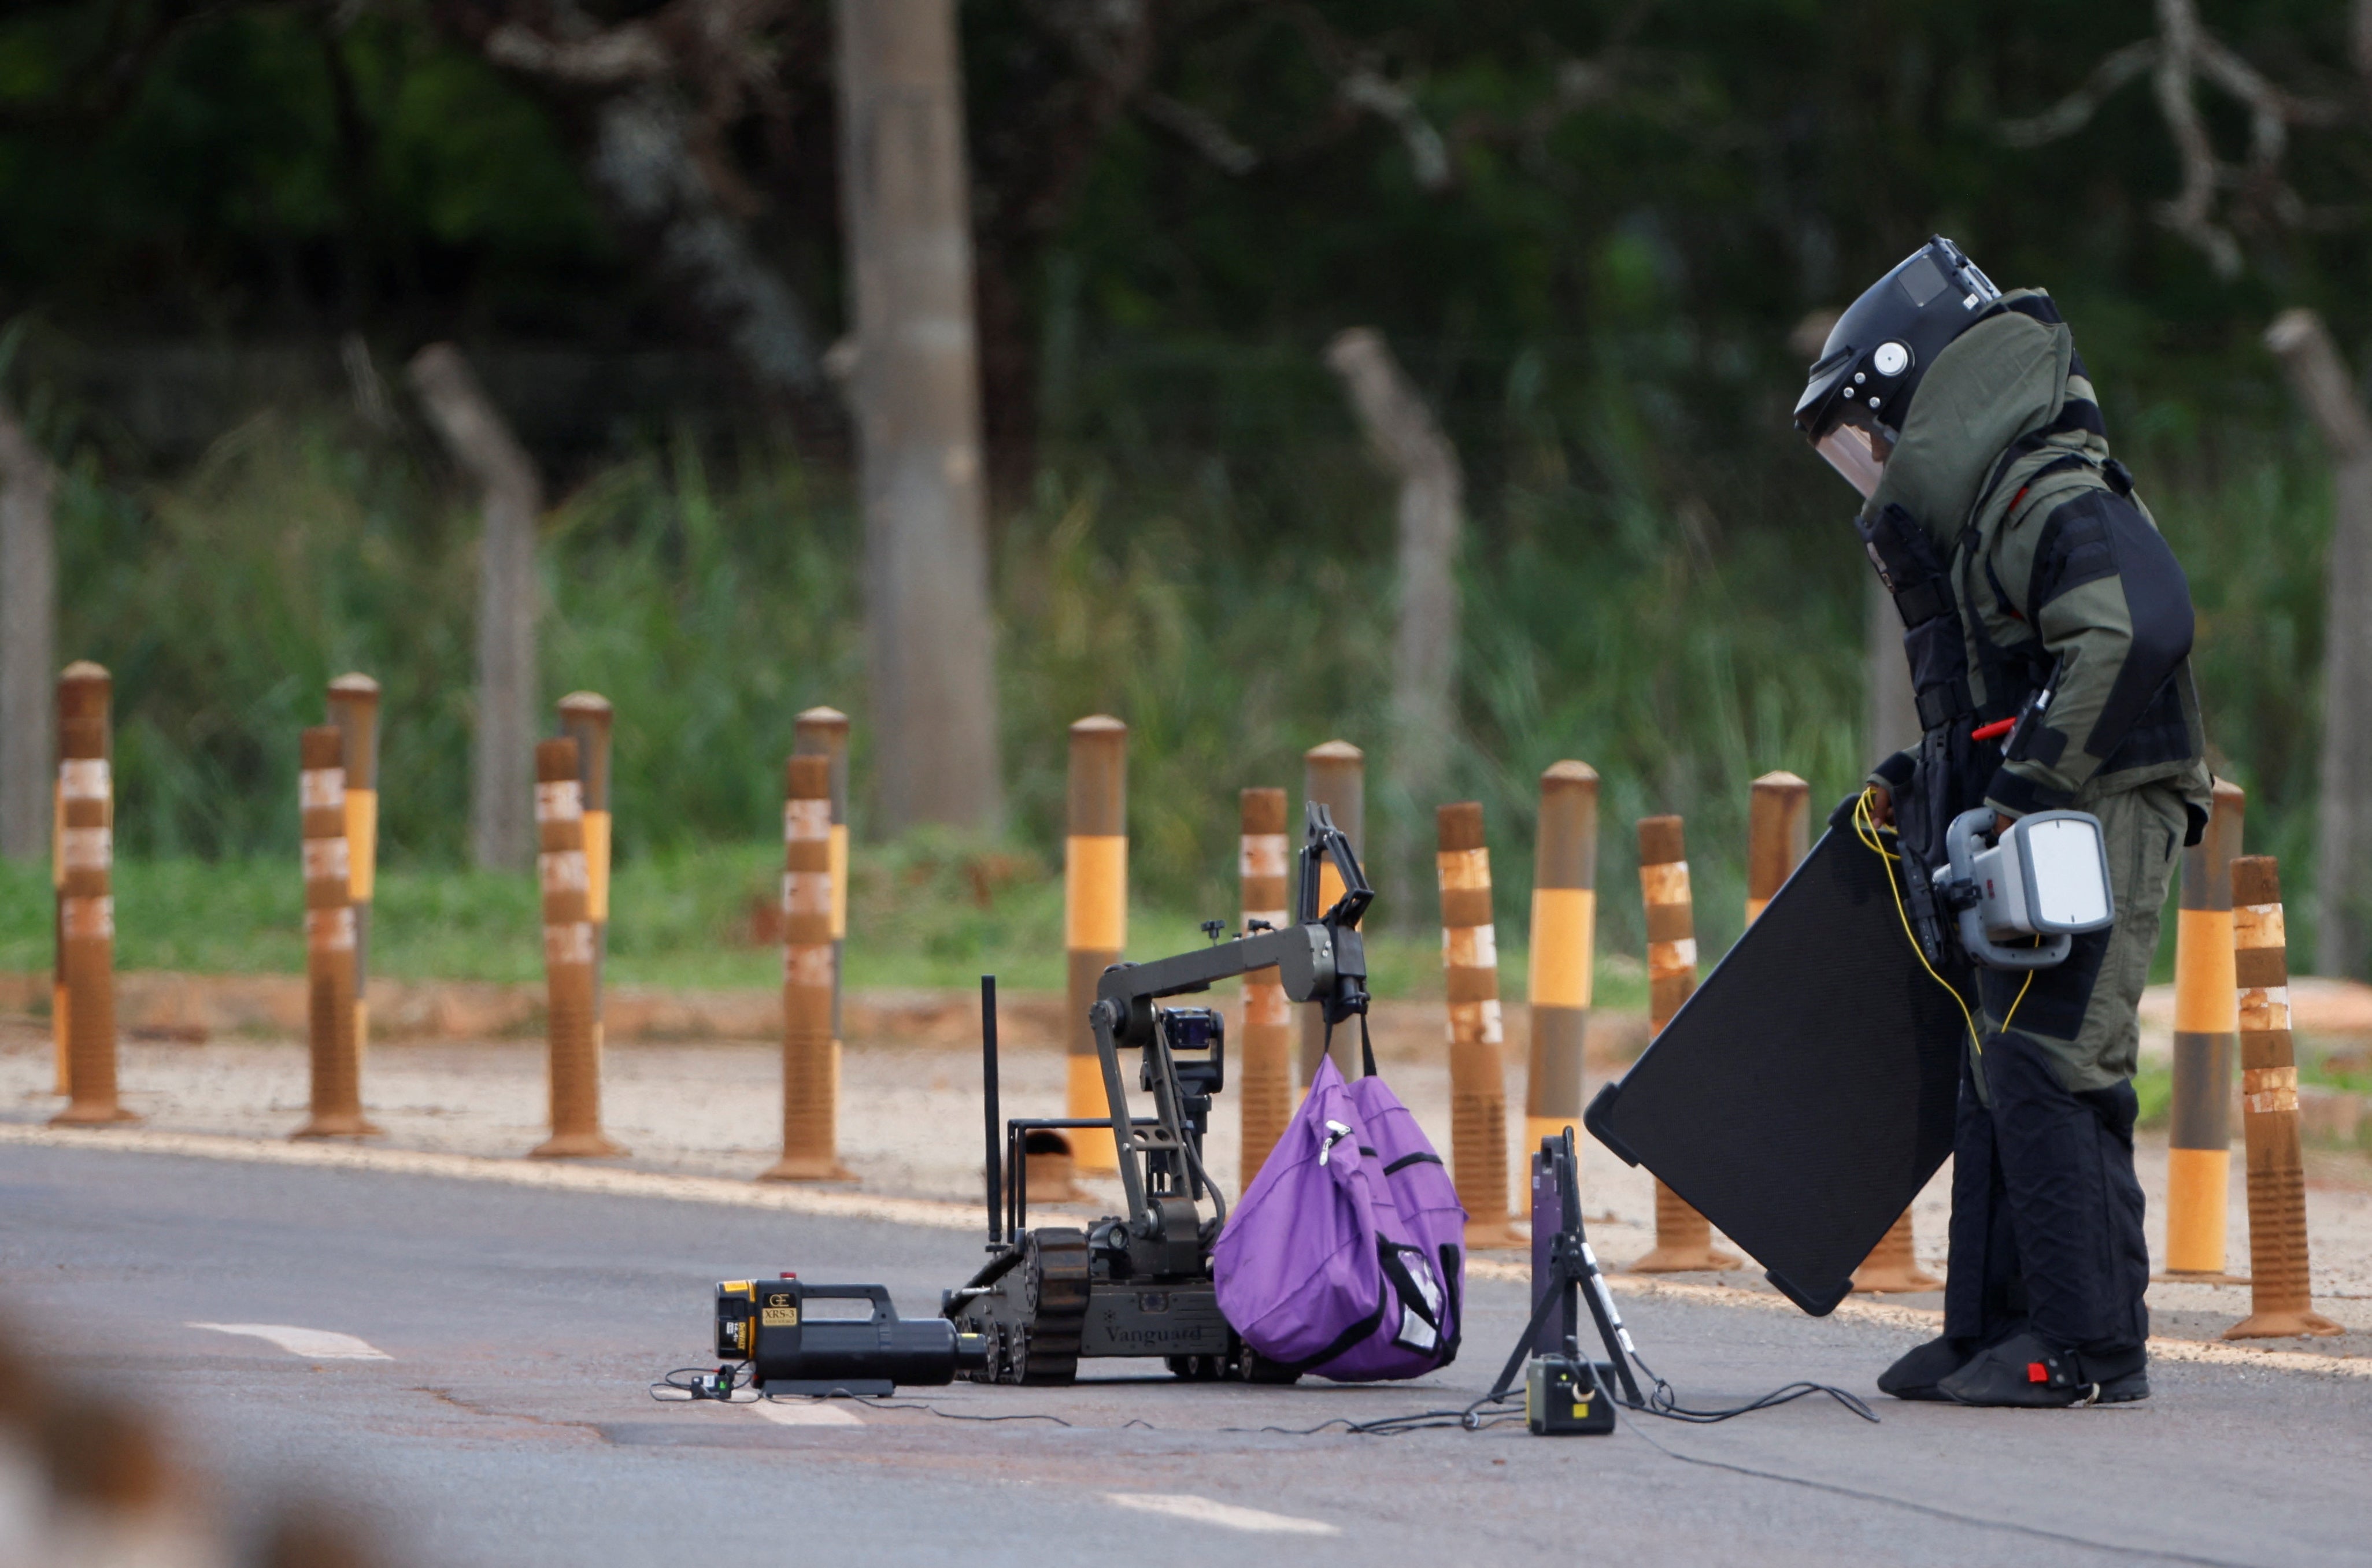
[[2046, 878]]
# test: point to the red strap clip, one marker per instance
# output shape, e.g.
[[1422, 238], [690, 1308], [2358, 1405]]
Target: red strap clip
[[1993, 731], [2036, 1372]]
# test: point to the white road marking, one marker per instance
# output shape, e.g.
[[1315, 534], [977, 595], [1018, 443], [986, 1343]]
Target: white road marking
[[320, 1345], [1206, 1511], [808, 1412]]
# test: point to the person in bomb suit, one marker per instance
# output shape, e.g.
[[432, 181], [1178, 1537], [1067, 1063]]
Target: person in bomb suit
[[2035, 589]]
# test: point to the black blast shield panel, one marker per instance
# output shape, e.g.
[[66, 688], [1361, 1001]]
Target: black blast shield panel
[[1805, 1094]]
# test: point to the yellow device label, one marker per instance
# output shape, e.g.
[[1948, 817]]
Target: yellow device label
[[779, 1317]]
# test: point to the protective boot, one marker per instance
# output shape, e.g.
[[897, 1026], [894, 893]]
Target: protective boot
[[1915, 1376], [2029, 1372]]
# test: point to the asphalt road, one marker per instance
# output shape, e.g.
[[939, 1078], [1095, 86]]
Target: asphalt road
[[510, 1422]]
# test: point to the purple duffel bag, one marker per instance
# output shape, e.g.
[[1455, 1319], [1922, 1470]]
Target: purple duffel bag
[[1317, 1270]]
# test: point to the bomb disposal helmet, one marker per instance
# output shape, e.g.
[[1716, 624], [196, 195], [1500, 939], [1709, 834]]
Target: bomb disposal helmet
[[1856, 394]]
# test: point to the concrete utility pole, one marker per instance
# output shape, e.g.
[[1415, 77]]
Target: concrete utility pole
[[2344, 848], [28, 636], [502, 774], [915, 386], [1409, 443]]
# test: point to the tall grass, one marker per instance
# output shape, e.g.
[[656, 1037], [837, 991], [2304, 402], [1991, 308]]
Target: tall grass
[[1234, 612]]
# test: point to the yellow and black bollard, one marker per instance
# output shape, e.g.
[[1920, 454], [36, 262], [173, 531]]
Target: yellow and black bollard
[[1094, 915], [2207, 1035], [1563, 938]]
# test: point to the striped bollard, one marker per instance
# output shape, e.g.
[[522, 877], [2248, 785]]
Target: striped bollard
[[2281, 1295], [1334, 775], [1266, 1053], [330, 939], [85, 917], [353, 708], [1094, 915], [810, 1053], [2207, 1033], [1564, 927], [1684, 1239], [575, 1050], [585, 718], [1478, 1066], [823, 732]]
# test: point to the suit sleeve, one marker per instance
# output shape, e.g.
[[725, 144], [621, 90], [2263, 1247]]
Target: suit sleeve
[[2098, 584]]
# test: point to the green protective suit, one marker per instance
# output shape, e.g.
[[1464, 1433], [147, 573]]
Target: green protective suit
[[2061, 581]]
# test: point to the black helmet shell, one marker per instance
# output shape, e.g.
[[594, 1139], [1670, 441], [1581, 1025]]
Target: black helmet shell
[[1885, 341]]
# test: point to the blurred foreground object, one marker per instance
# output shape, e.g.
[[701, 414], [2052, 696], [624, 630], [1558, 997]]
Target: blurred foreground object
[[510, 498]]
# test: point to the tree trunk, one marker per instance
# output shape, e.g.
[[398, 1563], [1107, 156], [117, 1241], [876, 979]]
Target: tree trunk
[[916, 386], [28, 635], [2343, 850], [502, 773], [1892, 719], [1425, 646]]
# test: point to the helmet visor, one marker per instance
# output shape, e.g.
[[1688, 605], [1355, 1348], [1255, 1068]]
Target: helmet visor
[[1851, 451]]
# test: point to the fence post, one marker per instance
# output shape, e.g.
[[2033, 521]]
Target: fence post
[[585, 718], [1564, 940], [353, 708], [1683, 1239], [2281, 1295], [1266, 1053], [86, 894], [1335, 775], [811, 1049], [575, 1050], [823, 732], [1478, 1065], [330, 938], [2206, 1030], [1095, 913]]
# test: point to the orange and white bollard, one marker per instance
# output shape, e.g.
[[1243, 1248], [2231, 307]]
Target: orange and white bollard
[[1683, 1239], [2281, 1293], [1095, 918], [1334, 775], [330, 939], [810, 1052], [585, 718], [85, 917], [1266, 1051], [353, 708], [2207, 1037], [823, 732], [575, 1048], [1477, 1063], [1564, 940]]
